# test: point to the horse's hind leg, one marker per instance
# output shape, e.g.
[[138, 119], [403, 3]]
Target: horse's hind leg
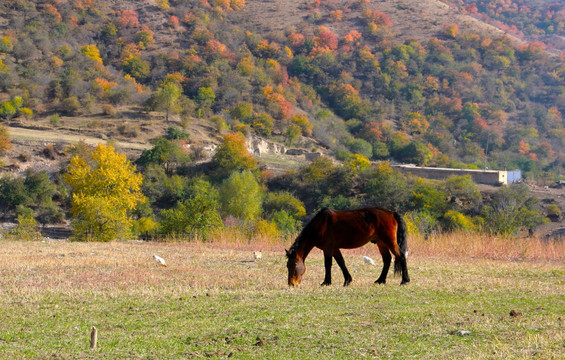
[[328, 266], [341, 262], [387, 257]]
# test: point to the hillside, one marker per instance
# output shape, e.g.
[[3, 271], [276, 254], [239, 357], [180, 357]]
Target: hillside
[[419, 20], [434, 83]]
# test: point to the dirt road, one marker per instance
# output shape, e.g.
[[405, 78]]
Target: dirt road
[[19, 133]]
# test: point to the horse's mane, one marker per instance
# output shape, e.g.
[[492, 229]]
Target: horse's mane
[[311, 228]]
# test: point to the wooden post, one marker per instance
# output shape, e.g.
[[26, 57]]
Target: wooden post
[[93, 338]]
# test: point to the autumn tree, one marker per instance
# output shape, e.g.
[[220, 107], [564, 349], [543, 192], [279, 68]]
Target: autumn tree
[[232, 156], [103, 196], [5, 140]]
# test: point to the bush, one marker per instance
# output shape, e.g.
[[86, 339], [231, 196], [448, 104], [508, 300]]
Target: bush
[[70, 105], [109, 110], [174, 133], [26, 229], [455, 221], [340, 202], [267, 229], [286, 223], [283, 201], [421, 222], [553, 212], [360, 146]]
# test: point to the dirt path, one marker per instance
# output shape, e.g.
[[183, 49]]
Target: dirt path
[[51, 136]]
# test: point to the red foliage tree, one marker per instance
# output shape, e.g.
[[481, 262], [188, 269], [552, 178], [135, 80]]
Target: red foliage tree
[[296, 40], [326, 38], [173, 21], [128, 18]]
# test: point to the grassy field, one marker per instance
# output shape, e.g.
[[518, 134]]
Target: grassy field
[[214, 301]]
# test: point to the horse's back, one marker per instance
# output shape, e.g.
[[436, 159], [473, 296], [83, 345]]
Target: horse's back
[[349, 229]]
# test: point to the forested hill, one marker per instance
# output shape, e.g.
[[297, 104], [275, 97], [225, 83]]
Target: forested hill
[[425, 82], [461, 83]]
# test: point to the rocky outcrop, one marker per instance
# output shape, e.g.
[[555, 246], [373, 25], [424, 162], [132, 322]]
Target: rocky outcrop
[[258, 146]]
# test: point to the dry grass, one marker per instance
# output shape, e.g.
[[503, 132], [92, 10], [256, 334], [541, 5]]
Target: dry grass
[[213, 299], [462, 245]]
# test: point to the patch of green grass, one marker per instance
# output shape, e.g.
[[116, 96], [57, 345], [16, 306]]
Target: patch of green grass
[[215, 302]]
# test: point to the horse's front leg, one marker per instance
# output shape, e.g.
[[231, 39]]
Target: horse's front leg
[[328, 266], [341, 262]]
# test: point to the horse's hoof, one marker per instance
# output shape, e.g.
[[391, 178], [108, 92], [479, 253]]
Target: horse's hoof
[[325, 283], [347, 282], [380, 281]]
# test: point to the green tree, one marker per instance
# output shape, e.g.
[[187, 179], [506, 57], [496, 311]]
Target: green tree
[[512, 208], [103, 196], [385, 187], [426, 197], [206, 96], [136, 67], [464, 192], [168, 98], [165, 153], [263, 124], [243, 111], [13, 193], [197, 215], [241, 196], [162, 190], [26, 229], [10, 108]]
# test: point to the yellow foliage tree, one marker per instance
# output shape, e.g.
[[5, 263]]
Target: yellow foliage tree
[[92, 52], [305, 125], [358, 163], [103, 196]]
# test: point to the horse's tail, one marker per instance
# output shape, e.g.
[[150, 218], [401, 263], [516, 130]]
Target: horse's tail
[[400, 261]]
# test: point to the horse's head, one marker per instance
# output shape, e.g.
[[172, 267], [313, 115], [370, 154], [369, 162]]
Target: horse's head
[[296, 267]]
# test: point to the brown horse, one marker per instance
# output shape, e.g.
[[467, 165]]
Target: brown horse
[[331, 230]]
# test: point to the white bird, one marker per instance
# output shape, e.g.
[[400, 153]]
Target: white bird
[[257, 255], [159, 260], [368, 260]]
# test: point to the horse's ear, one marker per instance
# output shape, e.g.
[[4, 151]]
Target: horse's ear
[[287, 252]]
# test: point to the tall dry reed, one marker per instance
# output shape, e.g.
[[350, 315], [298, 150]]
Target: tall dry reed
[[465, 245]]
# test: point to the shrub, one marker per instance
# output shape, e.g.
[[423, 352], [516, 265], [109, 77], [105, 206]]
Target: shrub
[[553, 211], [174, 133], [287, 224], [421, 222], [54, 119], [284, 201], [26, 228], [455, 221], [109, 110]]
